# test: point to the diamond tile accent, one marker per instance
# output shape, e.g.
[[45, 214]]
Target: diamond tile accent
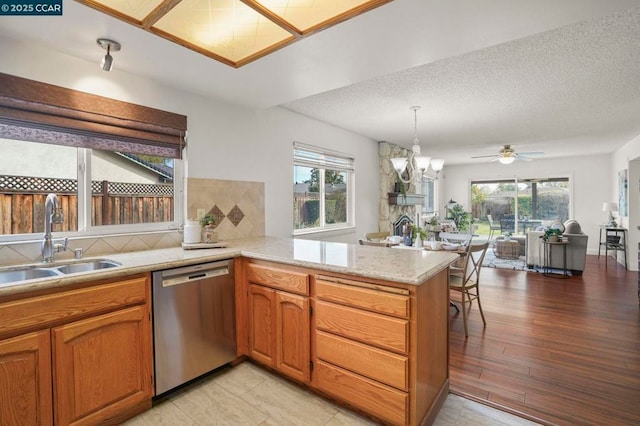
[[235, 215], [217, 213]]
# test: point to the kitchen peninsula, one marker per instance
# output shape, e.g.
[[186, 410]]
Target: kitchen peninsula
[[365, 326]]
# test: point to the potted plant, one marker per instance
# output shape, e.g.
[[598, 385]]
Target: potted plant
[[208, 223], [414, 234], [507, 236], [551, 235], [434, 223], [400, 187], [461, 218]]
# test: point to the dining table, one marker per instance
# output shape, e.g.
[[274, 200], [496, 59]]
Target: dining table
[[460, 250]]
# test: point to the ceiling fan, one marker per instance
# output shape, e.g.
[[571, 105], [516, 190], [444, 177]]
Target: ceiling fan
[[508, 155]]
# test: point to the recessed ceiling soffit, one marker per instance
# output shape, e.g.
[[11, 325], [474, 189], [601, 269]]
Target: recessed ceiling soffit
[[234, 32]]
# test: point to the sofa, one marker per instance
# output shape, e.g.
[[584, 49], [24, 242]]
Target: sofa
[[576, 249]]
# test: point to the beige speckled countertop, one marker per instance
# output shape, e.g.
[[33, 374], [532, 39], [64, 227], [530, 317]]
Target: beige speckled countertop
[[404, 266]]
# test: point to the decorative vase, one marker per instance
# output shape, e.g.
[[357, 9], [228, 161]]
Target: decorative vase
[[553, 238], [210, 235], [418, 242]]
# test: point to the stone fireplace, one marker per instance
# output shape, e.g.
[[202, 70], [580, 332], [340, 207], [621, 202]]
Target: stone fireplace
[[399, 223]]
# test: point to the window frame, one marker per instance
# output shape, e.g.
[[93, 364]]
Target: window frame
[[327, 160], [85, 229], [568, 178], [434, 195], [84, 200], [39, 112]]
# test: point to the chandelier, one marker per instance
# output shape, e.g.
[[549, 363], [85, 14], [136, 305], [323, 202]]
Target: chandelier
[[415, 163]]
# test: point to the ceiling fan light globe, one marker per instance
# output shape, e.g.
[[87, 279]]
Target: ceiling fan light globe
[[506, 160]]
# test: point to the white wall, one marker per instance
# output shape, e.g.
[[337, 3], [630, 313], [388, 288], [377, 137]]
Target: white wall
[[225, 141], [628, 157], [589, 176]]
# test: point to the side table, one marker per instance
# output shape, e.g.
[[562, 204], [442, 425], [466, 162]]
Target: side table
[[615, 239], [506, 249], [547, 270]]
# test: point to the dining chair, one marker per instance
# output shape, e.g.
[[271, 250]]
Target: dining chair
[[466, 281], [493, 226], [375, 243], [455, 238]]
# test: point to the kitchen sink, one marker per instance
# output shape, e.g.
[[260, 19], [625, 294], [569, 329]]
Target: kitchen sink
[[33, 272], [14, 275], [88, 266]]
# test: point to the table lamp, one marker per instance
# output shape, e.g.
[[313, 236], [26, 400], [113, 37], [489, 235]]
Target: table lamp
[[610, 207]]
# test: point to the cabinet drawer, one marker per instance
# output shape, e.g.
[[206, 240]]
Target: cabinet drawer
[[377, 364], [385, 302], [294, 282], [374, 329], [382, 401], [46, 311]]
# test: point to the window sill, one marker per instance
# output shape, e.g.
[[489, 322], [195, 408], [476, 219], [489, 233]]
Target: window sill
[[324, 231]]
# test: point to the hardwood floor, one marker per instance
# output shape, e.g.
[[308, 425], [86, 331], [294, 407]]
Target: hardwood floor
[[557, 351]]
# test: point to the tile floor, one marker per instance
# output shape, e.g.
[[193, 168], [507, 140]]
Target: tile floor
[[248, 395]]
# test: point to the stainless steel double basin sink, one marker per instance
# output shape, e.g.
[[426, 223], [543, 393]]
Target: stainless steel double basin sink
[[15, 274]]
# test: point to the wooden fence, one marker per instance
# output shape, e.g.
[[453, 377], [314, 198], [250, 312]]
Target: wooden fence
[[22, 203]]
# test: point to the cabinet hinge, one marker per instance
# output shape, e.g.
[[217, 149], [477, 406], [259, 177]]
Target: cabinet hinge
[[311, 365], [310, 310]]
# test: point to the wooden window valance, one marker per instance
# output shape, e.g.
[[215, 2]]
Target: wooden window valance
[[40, 112]]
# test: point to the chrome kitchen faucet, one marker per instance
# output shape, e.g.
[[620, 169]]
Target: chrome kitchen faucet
[[52, 214]]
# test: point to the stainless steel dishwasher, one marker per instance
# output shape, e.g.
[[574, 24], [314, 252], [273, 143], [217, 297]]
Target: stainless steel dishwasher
[[193, 322]]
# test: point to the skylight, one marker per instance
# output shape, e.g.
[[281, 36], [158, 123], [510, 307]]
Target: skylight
[[234, 32]]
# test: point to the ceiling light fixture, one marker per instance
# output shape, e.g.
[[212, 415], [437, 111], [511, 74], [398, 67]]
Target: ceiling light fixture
[[234, 32], [437, 164], [506, 160], [107, 61], [415, 161]]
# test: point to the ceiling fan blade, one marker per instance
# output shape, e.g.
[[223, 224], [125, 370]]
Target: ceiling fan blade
[[486, 156], [532, 154]]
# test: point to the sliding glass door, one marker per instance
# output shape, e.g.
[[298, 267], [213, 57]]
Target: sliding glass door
[[519, 205]]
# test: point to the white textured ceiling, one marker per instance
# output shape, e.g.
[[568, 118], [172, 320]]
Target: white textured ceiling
[[559, 76], [574, 90]]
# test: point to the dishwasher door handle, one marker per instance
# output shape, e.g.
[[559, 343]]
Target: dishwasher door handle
[[200, 275]]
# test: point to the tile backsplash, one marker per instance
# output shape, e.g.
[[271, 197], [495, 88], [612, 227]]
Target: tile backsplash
[[237, 205], [30, 251]]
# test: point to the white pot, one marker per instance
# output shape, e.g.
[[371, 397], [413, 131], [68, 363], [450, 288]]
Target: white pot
[[192, 232]]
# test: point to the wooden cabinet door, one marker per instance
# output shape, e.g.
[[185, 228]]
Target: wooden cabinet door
[[293, 335], [102, 367], [25, 380], [262, 324]]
